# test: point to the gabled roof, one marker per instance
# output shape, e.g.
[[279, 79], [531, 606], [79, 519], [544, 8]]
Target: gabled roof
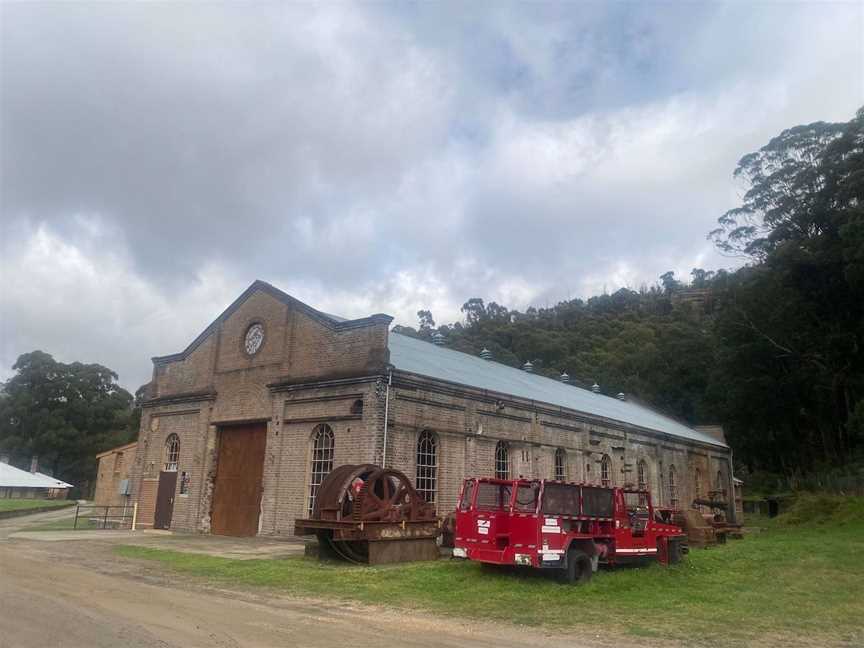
[[121, 448], [12, 477], [331, 321], [427, 359], [440, 363]]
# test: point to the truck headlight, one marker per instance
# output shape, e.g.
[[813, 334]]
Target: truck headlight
[[459, 552]]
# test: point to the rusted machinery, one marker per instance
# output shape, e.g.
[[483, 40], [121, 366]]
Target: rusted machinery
[[368, 514], [718, 519], [699, 531], [704, 529]]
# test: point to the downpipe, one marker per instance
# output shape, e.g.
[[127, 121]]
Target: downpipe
[[732, 492], [386, 414]]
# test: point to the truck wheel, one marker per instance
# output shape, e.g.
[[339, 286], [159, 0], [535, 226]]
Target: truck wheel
[[578, 569], [674, 549]]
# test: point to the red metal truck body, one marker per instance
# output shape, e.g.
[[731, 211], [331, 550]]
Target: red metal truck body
[[547, 524]]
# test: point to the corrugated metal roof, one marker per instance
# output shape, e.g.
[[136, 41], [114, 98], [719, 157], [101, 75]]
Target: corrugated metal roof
[[12, 477], [441, 363]]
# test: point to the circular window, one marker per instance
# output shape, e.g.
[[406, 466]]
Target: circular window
[[254, 338]]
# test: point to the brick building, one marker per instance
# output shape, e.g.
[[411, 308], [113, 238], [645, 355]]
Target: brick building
[[240, 427], [112, 475]]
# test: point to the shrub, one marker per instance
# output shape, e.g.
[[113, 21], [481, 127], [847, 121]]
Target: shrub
[[823, 509]]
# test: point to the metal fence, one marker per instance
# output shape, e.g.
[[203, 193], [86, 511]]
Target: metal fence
[[93, 516]]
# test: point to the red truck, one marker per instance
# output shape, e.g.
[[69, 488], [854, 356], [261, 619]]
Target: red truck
[[569, 527]]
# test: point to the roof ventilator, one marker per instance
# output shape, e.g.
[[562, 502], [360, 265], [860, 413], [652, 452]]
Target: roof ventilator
[[438, 339], [621, 396], [564, 377], [595, 388], [486, 354], [528, 367]]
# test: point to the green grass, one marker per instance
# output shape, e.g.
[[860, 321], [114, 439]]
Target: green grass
[[792, 583], [22, 504]]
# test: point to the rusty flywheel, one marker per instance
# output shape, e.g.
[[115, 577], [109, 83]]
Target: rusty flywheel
[[369, 493]]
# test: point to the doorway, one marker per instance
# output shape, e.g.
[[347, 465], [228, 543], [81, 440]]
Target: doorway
[[238, 486], [165, 499]]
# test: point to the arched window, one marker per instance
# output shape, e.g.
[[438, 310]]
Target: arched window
[[502, 460], [427, 465], [322, 460], [720, 485], [673, 490], [560, 464], [606, 470], [697, 487], [172, 452], [642, 475]]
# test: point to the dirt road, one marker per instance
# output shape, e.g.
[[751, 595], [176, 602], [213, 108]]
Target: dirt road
[[73, 595]]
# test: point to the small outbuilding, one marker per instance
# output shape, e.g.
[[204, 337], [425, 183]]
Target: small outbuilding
[[112, 478], [21, 484]]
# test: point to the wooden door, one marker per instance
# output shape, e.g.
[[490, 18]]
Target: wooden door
[[239, 472], [165, 499]]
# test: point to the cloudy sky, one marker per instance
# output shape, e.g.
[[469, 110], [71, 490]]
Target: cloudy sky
[[158, 158]]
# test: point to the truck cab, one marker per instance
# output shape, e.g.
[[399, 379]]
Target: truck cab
[[571, 527]]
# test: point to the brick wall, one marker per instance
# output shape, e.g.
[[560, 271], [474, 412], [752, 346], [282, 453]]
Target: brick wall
[[308, 373], [217, 383], [114, 466], [189, 421], [470, 424], [288, 461]]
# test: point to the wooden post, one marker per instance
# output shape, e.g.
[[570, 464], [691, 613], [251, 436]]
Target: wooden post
[[134, 514]]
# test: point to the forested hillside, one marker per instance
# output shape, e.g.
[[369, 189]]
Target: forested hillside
[[773, 351]]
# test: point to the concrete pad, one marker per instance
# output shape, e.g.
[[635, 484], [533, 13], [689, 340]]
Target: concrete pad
[[221, 546], [225, 547], [64, 536]]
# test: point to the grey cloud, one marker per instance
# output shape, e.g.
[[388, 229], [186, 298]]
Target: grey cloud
[[220, 136], [161, 156]]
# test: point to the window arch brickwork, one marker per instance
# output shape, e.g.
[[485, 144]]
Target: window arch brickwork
[[606, 470], [172, 453], [697, 487], [642, 475], [720, 484], [323, 443], [661, 484], [642, 480], [673, 488], [427, 465], [502, 460], [560, 464]]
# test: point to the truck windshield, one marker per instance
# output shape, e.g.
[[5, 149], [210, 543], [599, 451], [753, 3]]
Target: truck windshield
[[493, 497], [526, 498], [598, 502], [560, 499]]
